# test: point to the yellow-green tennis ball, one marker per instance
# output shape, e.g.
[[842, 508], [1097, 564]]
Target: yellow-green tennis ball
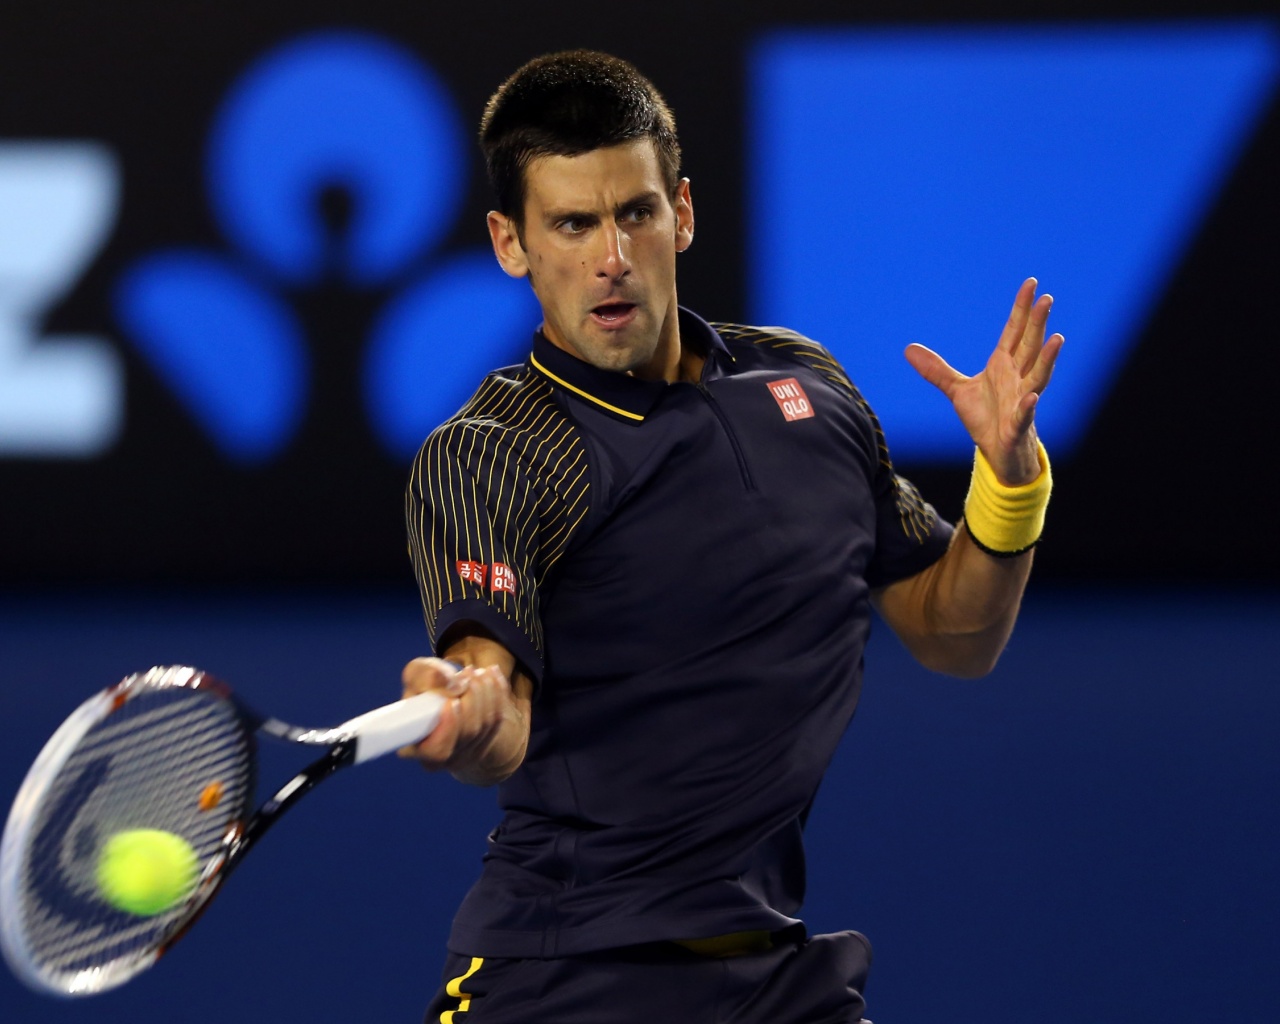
[[145, 871]]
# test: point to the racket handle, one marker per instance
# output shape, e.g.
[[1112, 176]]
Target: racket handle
[[393, 726]]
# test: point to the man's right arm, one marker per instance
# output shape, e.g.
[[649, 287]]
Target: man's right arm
[[483, 731], [510, 457]]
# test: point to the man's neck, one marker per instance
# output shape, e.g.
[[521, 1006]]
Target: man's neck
[[673, 360]]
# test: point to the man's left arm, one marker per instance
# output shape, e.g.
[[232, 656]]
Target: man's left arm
[[957, 615]]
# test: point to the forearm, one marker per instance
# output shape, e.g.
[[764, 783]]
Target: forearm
[[957, 616]]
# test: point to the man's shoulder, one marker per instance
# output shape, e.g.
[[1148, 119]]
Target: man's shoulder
[[509, 398], [755, 335], [782, 347], [515, 411]]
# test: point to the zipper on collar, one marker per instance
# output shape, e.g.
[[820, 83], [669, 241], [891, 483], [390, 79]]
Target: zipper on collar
[[743, 469]]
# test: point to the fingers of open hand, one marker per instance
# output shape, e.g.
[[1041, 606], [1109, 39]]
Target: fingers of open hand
[[1031, 341], [1038, 374], [1024, 412], [1019, 316], [1024, 339], [933, 368]]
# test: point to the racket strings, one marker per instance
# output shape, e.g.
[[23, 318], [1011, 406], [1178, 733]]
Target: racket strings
[[176, 759]]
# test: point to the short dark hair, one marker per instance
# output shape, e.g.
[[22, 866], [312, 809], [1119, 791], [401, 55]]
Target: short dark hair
[[565, 104]]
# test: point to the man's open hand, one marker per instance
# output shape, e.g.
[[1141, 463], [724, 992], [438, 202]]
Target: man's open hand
[[997, 406]]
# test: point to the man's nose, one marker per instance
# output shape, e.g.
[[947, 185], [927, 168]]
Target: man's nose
[[613, 261]]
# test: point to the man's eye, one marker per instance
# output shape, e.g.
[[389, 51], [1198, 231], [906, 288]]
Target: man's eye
[[573, 225], [639, 213]]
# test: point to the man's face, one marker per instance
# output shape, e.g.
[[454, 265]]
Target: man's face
[[600, 240]]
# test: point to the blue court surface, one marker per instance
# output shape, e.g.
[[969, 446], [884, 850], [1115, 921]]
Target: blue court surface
[[1088, 835]]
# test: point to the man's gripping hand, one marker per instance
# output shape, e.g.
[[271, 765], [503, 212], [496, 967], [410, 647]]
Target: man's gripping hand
[[483, 730]]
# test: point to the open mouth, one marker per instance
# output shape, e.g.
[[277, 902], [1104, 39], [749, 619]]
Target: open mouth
[[613, 312]]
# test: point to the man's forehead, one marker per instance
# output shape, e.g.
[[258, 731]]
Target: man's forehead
[[610, 172]]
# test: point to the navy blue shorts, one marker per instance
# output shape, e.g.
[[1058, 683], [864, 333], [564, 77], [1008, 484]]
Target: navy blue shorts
[[814, 980]]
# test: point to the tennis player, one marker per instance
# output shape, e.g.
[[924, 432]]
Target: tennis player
[[655, 547]]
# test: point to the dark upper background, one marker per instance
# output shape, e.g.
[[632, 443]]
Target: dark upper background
[[1167, 485]]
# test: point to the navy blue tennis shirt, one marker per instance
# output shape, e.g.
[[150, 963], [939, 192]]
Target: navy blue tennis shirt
[[684, 570]]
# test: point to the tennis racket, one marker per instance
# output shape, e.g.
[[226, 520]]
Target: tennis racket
[[173, 749]]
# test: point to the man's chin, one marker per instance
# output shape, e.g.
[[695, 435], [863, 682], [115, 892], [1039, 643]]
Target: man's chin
[[615, 355], [616, 361]]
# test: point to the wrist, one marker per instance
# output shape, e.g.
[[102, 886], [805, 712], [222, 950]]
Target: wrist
[[1020, 467], [1005, 520]]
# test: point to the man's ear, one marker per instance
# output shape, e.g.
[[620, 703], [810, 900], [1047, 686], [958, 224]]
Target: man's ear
[[506, 245], [684, 216]]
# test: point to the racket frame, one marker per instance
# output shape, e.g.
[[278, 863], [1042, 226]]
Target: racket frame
[[359, 739]]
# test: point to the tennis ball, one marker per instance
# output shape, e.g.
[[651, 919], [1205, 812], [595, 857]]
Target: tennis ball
[[145, 871]]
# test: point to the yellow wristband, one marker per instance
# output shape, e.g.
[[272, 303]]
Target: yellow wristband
[[1006, 521]]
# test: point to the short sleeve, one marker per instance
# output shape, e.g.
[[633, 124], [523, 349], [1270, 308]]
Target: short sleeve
[[493, 497], [910, 535]]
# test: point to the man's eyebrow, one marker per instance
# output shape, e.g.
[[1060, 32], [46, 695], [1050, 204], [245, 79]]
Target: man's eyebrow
[[644, 199], [556, 215], [566, 213]]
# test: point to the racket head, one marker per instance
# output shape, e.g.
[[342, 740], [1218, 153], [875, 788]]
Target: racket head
[[166, 749]]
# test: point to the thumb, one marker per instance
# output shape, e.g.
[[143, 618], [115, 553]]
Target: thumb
[[933, 368]]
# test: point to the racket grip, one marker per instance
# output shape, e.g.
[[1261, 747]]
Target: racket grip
[[393, 726]]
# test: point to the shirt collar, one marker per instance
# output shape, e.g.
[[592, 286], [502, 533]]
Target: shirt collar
[[629, 398]]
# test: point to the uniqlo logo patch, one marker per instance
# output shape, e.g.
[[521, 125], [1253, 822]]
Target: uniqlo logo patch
[[791, 399], [473, 572], [504, 578]]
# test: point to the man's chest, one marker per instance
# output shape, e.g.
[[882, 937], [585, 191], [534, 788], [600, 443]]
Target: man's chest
[[737, 504]]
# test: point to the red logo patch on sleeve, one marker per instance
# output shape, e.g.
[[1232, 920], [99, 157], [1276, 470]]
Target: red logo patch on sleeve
[[473, 572], [504, 578], [791, 399]]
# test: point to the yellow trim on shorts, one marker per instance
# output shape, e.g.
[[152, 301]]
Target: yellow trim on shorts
[[733, 944], [454, 988]]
